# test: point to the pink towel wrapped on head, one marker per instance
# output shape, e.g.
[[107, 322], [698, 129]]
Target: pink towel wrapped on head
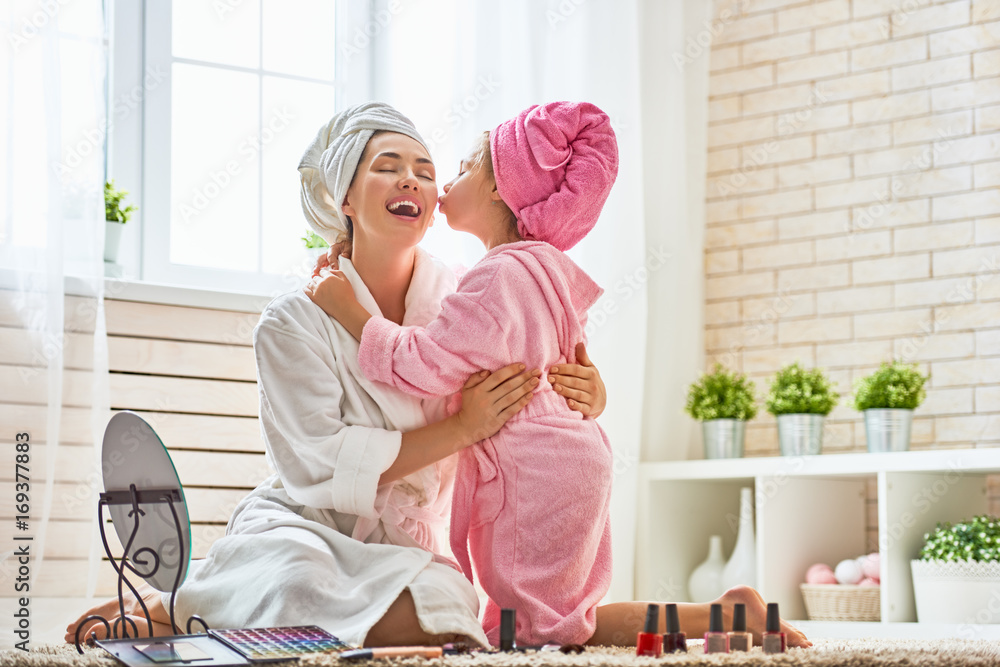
[[554, 165]]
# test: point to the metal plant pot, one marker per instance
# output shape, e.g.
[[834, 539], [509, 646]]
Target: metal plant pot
[[888, 429], [723, 438], [800, 434]]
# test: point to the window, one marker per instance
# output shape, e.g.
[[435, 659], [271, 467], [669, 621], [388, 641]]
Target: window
[[232, 92]]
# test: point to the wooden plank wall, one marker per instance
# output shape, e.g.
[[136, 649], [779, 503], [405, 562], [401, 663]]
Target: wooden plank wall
[[189, 371]]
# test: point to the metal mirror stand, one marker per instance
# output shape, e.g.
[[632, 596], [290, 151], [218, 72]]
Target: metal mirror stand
[[134, 497]]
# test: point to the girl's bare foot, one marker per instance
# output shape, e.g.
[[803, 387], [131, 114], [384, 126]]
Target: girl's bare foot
[[757, 615], [110, 610]]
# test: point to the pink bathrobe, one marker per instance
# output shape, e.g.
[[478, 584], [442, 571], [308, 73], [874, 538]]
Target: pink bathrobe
[[532, 502]]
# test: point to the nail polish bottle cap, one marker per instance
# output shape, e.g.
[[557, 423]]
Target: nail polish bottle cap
[[773, 619], [739, 617], [652, 618], [673, 622], [715, 620]]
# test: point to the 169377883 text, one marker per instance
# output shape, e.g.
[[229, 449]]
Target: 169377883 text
[[22, 540]]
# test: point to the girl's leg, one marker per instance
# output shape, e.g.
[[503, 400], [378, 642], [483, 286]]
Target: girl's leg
[[619, 623]]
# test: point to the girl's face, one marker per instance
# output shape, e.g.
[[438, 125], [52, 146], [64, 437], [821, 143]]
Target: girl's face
[[468, 198], [391, 199]]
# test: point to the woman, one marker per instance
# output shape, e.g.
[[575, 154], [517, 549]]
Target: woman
[[347, 534], [352, 518]]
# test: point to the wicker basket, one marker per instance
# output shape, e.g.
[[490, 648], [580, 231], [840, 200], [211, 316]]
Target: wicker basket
[[837, 602]]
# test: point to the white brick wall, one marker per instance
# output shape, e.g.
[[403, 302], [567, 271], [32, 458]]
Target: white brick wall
[[854, 203]]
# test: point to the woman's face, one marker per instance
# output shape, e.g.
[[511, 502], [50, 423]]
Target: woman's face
[[392, 197], [466, 200]]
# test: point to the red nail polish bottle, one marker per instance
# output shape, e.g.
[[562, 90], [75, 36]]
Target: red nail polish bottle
[[716, 639], [649, 642], [674, 641], [774, 638]]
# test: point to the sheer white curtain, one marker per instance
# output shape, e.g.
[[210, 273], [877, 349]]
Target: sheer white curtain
[[53, 354], [457, 68]]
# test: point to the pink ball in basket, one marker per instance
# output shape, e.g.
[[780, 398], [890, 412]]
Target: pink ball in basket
[[820, 573], [870, 566], [868, 581]]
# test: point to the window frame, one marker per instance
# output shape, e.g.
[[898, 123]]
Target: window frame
[[139, 103]]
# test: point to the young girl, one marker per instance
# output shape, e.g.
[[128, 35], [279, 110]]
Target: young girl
[[531, 502]]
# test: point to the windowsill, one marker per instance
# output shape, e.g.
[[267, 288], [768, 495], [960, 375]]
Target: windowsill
[[121, 289], [179, 295]]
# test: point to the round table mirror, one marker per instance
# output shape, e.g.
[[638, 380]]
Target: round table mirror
[[134, 455]]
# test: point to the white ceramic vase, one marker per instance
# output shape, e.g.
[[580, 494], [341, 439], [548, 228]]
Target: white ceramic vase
[[705, 583], [741, 569]]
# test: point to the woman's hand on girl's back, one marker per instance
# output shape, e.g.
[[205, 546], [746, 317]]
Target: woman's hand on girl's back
[[490, 399], [580, 384], [331, 258]]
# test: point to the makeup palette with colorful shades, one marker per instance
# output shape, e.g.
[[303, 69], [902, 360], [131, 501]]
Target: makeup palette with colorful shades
[[274, 644]]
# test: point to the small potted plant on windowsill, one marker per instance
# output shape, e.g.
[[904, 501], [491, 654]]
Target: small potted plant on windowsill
[[315, 244], [800, 399], [957, 576], [723, 401], [888, 398], [115, 217]]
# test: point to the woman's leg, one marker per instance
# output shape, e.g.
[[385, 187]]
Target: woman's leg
[[619, 623], [399, 626], [111, 610]]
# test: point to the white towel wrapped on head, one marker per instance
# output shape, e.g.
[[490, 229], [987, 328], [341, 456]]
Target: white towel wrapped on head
[[328, 165]]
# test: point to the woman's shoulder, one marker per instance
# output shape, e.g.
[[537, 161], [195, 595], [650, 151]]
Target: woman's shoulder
[[291, 311]]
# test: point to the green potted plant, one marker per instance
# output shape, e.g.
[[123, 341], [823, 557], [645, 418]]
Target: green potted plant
[[314, 242], [888, 398], [723, 401], [800, 399], [115, 217], [956, 577]]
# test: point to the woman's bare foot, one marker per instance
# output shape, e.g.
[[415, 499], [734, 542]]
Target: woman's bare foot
[[159, 616], [757, 615]]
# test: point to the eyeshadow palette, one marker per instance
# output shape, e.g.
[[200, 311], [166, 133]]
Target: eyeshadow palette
[[272, 644]]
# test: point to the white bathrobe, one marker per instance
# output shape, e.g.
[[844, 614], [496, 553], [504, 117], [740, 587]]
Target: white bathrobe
[[320, 542]]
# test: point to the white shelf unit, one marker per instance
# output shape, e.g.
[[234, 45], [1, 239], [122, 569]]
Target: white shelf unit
[[810, 509]]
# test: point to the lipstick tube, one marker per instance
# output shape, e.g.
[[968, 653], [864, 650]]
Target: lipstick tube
[[774, 638], [739, 638], [674, 641], [508, 628], [649, 642], [716, 639]]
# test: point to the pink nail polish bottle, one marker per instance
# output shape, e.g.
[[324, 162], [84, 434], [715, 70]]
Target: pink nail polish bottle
[[739, 638], [774, 638], [674, 641], [716, 639]]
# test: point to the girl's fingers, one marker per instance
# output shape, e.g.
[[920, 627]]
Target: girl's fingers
[[569, 382], [576, 394], [581, 355]]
